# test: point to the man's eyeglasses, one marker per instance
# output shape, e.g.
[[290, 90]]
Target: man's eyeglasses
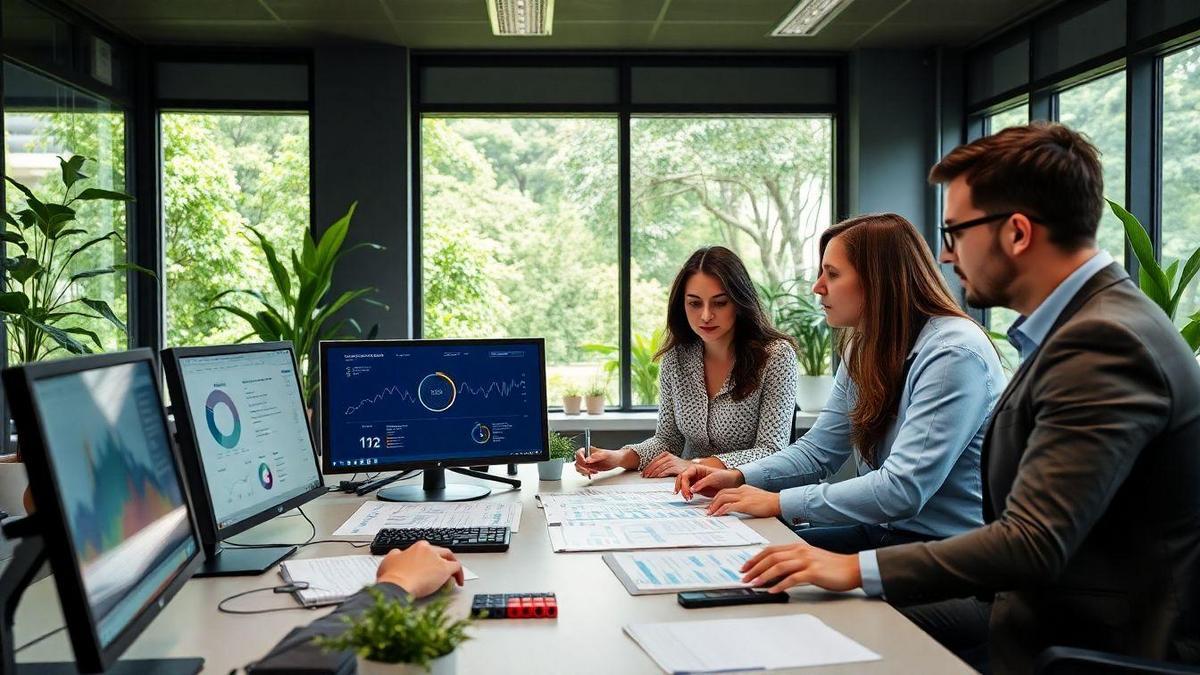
[[949, 230]]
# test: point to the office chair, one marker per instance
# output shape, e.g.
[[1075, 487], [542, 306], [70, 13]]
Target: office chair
[[793, 435], [1072, 661]]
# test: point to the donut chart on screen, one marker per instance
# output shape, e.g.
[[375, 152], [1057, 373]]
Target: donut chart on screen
[[265, 476], [226, 440]]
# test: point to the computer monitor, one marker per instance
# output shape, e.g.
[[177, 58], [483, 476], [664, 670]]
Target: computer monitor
[[110, 501], [431, 404], [245, 442]]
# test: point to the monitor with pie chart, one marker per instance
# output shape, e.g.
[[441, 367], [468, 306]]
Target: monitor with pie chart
[[246, 444], [392, 405]]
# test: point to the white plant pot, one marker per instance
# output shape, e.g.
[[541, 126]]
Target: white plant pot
[[572, 404], [445, 665], [550, 469], [812, 392], [595, 405]]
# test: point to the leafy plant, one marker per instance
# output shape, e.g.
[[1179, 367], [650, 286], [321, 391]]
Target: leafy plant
[[571, 391], [643, 369], [561, 447], [304, 290], [795, 312], [41, 289], [1157, 283], [597, 389], [391, 631]]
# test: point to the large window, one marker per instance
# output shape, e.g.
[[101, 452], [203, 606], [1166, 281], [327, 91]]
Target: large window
[[761, 186], [519, 238], [1181, 167], [44, 120], [1000, 319], [1097, 109], [220, 174]]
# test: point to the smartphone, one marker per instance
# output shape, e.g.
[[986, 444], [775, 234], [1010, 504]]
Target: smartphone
[[728, 596]]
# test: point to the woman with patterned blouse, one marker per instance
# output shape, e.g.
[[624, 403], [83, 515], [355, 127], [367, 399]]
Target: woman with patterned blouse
[[910, 402], [727, 378]]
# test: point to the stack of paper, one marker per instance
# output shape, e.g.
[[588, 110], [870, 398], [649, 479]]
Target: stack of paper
[[374, 516], [332, 580], [644, 573], [767, 643]]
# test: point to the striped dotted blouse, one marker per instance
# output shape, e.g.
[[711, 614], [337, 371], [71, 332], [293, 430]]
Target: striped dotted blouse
[[736, 432]]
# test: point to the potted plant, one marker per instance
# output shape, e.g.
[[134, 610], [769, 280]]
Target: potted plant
[[572, 400], [796, 313], [643, 369], [1157, 283], [307, 304], [595, 398], [562, 449], [399, 638]]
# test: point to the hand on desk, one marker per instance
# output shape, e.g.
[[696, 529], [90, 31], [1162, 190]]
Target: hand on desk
[[700, 479], [746, 499], [603, 460], [420, 569], [793, 564], [665, 464]]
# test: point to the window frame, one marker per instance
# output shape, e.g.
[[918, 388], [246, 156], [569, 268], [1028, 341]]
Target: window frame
[[624, 109]]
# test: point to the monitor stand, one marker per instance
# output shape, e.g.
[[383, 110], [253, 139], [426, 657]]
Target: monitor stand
[[28, 556], [231, 561], [434, 489]]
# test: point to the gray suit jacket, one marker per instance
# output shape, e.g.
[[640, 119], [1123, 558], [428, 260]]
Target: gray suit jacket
[[1091, 493]]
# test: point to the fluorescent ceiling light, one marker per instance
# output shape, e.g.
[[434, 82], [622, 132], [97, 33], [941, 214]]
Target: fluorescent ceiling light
[[521, 18], [809, 17]]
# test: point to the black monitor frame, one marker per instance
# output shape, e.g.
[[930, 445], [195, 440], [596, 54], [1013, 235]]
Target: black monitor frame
[[327, 462], [90, 654], [189, 448]]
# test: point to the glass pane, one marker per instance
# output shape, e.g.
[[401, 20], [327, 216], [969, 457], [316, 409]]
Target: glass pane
[[1097, 109], [762, 186], [220, 174], [519, 238], [1001, 318], [42, 121], [1181, 168]]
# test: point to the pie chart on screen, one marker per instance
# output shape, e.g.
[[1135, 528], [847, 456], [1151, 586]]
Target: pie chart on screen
[[265, 476], [224, 423]]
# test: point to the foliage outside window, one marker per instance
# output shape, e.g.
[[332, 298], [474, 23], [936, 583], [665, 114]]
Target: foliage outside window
[[1181, 167]]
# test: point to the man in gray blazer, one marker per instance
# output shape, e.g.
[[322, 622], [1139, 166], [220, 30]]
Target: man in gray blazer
[[1091, 463]]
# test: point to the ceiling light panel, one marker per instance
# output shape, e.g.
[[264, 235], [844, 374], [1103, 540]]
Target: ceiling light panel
[[521, 18], [809, 17]]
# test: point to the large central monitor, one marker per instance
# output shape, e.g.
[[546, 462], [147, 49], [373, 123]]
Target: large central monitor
[[245, 441], [111, 505], [432, 404]]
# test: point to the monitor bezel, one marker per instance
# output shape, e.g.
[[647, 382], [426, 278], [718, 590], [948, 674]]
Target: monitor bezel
[[90, 654], [189, 446], [326, 461]]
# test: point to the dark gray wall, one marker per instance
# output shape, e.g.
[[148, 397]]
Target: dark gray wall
[[892, 141], [360, 149]]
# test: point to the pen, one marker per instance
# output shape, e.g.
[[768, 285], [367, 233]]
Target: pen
[[587, 446]]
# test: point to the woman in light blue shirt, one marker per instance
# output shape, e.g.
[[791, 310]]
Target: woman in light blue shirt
[[910, 401]]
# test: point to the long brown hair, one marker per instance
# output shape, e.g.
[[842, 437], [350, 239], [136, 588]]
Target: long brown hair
[[902, 289], [752, 330]]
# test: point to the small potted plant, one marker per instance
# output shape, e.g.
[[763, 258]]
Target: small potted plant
[[595, 398], [562, 449], [572, 401], [399, 638]]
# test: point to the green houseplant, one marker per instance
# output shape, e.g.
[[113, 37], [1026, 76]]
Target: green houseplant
[[306, 307], [643, 369], [1163, 286], [43, 299], [572, 400], [393, 637], [561, 450], [796, 313], [594, 397]]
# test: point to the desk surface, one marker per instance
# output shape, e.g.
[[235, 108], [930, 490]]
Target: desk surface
[[586, 638]]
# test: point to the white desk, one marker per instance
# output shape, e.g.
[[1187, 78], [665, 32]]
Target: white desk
[[586, 638]]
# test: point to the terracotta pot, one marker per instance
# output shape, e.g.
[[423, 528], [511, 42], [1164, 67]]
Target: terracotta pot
[[572, 404], [595, 405]]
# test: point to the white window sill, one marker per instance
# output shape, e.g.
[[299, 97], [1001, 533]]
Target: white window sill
[[633, 421]]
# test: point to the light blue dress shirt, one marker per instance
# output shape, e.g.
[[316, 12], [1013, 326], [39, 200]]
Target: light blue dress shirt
[[1026, 334], [928, 477]]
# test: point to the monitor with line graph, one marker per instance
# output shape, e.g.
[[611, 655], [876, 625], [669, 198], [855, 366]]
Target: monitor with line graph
[[430, 404]]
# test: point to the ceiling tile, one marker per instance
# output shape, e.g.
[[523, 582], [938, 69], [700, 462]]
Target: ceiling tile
[[437, 10], [723, 10], [149, 10], [362, 11]]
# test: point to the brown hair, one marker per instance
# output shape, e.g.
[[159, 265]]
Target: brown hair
[[1044, 169], [902, 289], [752, 330]]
